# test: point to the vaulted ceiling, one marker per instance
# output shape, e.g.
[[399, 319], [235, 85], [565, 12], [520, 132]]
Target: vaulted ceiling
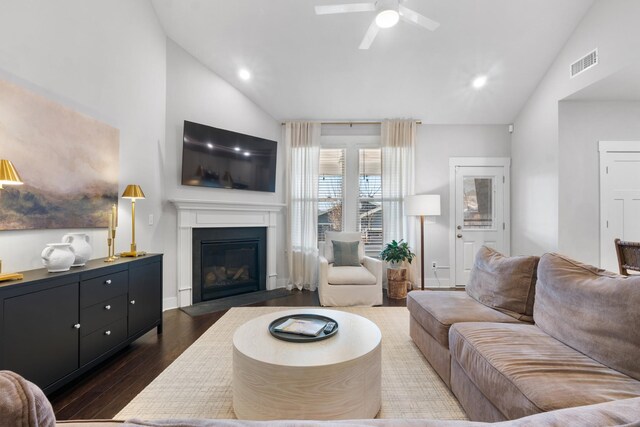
[[306, 66]]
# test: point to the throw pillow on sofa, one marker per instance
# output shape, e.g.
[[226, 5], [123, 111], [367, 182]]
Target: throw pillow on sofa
[[506, 284]]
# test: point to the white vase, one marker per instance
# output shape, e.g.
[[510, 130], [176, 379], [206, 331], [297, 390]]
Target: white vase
[[58, 257], [81, 247]]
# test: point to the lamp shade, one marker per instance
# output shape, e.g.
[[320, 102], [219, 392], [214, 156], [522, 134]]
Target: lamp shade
[[133, 191], [8, 174], [422, 205]]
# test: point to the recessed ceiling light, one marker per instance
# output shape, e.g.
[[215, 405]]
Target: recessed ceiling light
[[246, 153], [237, 148], [210, 145], [244, 74], [479, 82], [387, 18]]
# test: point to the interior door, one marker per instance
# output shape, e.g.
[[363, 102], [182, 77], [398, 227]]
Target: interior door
[[479, 215], [619, 202]]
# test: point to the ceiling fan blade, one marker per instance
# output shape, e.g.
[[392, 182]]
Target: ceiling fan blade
[[345, 8], [415, 18], [371, 34]]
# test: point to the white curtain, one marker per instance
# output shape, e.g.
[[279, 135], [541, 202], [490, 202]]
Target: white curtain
[[302, 141], [398, 148]]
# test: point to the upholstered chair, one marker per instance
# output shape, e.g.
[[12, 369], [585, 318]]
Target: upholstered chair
[[353, 285]]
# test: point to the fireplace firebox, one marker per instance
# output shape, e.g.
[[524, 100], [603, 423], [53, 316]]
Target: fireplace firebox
[[228, 261]]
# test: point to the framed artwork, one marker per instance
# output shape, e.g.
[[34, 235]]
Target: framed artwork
[[69, 163]]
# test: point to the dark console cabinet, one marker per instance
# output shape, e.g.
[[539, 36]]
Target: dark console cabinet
[[56, 326]]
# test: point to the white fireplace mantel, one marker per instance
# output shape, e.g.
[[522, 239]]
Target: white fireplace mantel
[[215, 214]]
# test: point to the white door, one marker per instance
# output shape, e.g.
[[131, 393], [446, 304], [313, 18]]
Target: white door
[[480, 215], [619, 198]]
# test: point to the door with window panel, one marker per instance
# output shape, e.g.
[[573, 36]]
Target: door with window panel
[[330, 191], [479, 214]]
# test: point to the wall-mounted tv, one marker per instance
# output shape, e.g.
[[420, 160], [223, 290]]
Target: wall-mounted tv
[[219, 158]]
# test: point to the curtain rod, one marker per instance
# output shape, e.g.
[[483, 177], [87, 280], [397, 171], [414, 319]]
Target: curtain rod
[[418, 122]]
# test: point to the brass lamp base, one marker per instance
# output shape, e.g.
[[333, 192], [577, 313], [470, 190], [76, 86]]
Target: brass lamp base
[[133, 254], [11, 276]]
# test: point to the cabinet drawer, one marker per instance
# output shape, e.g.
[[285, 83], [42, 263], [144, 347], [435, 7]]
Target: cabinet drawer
[[102, 340], [102, 314], [103, 288]]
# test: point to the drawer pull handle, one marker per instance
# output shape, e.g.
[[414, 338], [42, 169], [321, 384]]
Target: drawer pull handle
[[77, 326], [107, 307], [107, 282], [107, 332], [133, 301]]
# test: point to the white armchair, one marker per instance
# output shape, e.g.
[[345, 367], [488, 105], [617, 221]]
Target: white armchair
[[348, 286]]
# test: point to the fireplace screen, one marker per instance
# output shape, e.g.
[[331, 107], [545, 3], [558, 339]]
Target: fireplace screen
[[229, 264], [228, 261]]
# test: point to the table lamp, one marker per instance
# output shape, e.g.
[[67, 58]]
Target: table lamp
[[422, 205], [133, 192], [8, 176]]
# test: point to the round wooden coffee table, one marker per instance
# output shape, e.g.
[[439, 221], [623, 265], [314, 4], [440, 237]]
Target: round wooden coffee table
[[337, 378]]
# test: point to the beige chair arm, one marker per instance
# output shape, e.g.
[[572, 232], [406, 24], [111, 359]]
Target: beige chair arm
[[375, 267], [324, 270]]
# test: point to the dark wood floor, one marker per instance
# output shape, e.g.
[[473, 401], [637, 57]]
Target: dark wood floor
[[104, 391]]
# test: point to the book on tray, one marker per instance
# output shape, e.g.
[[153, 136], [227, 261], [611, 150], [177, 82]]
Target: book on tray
[[309, 327]]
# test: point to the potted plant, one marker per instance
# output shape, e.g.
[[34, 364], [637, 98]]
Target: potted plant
[[395, 253]]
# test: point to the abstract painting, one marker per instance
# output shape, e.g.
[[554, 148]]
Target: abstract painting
[[69, 163]]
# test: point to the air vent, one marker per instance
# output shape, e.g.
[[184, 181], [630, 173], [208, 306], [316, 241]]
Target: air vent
[[584, 63]]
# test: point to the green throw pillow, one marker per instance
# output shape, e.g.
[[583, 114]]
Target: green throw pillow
[[345, 254]]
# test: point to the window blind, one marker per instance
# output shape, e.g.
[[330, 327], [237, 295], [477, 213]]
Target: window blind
[[370, 199], [330, 191]]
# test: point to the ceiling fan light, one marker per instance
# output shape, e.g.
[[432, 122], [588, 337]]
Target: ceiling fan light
[[387, 18]]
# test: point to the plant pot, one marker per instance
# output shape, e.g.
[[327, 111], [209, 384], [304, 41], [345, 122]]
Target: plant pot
[[397, 283]]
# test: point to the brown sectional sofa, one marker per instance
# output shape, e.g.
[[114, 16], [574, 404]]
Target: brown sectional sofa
[[583, 349]]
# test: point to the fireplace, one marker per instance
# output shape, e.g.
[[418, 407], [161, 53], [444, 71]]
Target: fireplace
[[228, 261]]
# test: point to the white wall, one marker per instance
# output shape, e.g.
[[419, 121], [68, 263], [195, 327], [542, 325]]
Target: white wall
[[197, 94], [106, 60], [435, 145], [582, 125], [611, 26]]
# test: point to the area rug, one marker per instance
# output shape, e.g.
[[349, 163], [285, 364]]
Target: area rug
[[198, 383]]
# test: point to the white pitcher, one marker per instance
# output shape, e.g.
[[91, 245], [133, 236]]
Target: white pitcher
[[58, 257], [81, 247]]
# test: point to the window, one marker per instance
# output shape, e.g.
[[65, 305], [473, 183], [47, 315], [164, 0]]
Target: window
[[350, 192], [369, 219], [330, 191]]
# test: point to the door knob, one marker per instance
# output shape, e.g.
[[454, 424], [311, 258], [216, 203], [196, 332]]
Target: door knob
[[459, 227], [132, 301], [107, 332], [107, 282], [107, 307], [77, 326], [459, 236]]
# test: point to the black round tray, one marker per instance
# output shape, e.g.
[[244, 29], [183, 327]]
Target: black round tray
[[285, 336]]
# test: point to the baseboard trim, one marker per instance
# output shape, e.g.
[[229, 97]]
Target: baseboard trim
[[169, 303]]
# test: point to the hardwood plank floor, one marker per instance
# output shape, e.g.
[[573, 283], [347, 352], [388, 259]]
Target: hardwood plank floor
[[103, 392]]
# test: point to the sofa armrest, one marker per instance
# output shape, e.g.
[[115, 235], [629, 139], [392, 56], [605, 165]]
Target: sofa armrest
[[375, 267], [324, 270]]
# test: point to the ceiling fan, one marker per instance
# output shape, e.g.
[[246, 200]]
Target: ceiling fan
[[389, 12]]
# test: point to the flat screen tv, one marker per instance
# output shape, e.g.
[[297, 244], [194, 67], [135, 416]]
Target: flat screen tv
[[219, 158]]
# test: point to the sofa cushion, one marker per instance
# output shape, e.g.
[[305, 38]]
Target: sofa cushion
[[350, 276], [345, 254], [594, 311], [523, 371], [504, 283], [342, 236], [436, 311]]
